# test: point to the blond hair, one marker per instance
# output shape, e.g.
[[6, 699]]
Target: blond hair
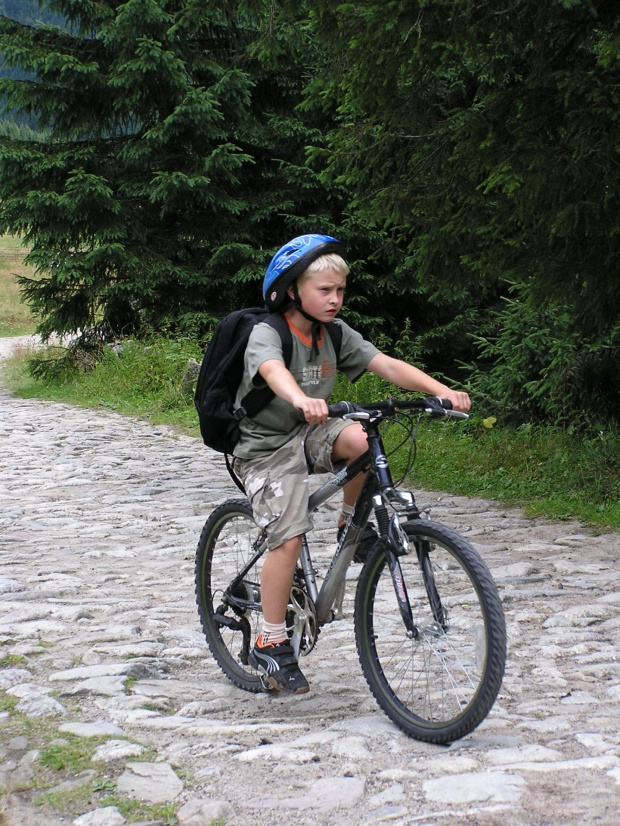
[[330, 261]]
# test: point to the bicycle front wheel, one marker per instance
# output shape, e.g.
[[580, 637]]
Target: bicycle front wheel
[[440, 683], [228, 563]]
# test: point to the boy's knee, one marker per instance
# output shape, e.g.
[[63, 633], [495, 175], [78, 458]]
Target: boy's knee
[[289, 548], [351, 443]]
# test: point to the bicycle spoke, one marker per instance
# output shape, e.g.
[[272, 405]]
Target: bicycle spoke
[[444, 680], [228, 595]]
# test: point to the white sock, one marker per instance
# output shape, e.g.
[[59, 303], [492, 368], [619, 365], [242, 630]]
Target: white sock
[[273, 633], [345, 513]]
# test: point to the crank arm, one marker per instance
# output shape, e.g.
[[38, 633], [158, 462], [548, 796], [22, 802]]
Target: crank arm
[[234, 624]]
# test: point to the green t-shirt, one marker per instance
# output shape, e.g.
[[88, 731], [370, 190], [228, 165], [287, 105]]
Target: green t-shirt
[[315, 374]]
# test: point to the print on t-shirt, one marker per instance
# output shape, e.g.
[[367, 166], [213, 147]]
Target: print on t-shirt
[[313, 374]]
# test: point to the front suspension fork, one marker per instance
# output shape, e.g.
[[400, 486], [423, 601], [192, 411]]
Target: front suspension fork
[[396, 544]]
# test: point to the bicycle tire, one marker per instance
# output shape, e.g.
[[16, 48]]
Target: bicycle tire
[[439, 686], [227, 542]]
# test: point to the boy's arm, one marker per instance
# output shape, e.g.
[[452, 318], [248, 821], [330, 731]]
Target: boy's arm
[[283, 384], [410, 378]]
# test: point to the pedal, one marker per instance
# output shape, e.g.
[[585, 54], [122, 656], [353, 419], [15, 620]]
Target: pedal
[[265, 683]]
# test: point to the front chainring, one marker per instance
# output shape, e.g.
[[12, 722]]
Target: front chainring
[[302, 625]]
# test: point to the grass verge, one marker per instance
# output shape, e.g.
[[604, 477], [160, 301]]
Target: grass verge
[[15, 317], [547, 471]]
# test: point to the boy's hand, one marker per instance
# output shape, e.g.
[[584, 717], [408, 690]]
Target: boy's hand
[[281, 381], [460, 401], [314, 410], [284, 385]]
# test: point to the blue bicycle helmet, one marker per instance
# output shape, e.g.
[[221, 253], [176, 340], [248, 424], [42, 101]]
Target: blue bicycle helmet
[[291, 260]]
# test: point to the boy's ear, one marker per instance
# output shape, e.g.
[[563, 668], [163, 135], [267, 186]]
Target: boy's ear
[[290, 293]]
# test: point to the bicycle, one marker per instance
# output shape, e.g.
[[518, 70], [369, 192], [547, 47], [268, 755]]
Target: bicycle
[[429, 624]]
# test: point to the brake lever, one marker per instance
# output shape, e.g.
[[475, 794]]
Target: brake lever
[[441, 408]]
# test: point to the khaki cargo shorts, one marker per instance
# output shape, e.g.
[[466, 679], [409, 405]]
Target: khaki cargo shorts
[[277, 484]]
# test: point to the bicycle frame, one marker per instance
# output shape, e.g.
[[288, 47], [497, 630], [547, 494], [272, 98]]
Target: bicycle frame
[[377, 490]]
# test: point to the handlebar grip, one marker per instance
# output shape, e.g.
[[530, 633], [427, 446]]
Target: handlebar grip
[[447, 409], [335, 411], [437, 408]]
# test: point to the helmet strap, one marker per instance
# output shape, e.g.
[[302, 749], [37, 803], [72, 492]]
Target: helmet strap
[[316, 324]]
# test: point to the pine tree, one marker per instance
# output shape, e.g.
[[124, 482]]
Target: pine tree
[[485, 138], [171, 158]]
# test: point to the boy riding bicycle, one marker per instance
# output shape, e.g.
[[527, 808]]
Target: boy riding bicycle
[[305, 281]]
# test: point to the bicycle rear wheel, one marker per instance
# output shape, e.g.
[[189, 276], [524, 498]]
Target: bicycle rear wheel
[[228, 602], [438, 686]]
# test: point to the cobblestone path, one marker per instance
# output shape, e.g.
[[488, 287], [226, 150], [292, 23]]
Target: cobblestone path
[[100, 645]]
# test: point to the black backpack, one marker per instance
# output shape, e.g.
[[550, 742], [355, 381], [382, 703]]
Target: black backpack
[[222, 369]]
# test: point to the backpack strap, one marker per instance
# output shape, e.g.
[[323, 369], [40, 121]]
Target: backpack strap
[[335, 333], [259, 397], [233, 475]]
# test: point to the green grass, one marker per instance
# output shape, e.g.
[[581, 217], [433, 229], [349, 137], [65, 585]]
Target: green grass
[[7, 703], [15, 317], [12, 660], [142, 380], [547, 471], [74, 755], [164, 813], [66, 757]]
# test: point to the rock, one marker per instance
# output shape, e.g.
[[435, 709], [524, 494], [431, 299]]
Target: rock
[[393, 794], [352, 747], [40, 706], [20, 778], [10, 586], [385, 814], [579, 698], [108, 816], [10, 677], [155, 782], [325, 794], [495, 787], [105, 686], [205, 812], [84, 672], [99, 518], [190, 375], [116, 750], [99, 729], [533, 753], [276, 754], [83, 779]]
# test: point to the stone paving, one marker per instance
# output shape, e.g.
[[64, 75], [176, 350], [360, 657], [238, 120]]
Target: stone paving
[[100, 644]]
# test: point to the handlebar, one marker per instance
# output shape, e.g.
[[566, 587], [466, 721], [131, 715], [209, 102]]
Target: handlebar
[[432, 405]]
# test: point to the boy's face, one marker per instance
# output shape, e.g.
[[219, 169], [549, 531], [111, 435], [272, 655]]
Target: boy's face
[[322, 293]]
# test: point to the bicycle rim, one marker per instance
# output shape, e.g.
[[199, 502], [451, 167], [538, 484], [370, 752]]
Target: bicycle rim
[[439, 685], [228, 541]]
